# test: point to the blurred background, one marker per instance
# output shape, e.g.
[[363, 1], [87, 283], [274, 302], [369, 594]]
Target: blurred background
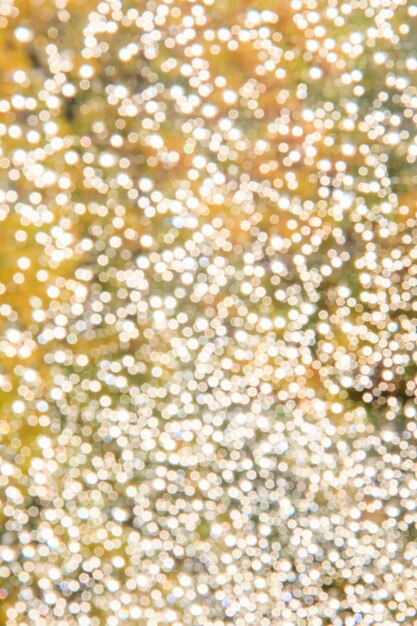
[[208, 313]]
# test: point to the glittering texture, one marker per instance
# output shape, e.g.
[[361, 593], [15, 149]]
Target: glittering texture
[[208, 281]]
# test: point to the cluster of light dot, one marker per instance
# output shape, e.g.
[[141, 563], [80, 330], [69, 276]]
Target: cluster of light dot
[[208, 281]]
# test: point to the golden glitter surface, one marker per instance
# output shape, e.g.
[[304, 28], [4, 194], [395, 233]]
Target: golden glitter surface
[[208, 312]]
